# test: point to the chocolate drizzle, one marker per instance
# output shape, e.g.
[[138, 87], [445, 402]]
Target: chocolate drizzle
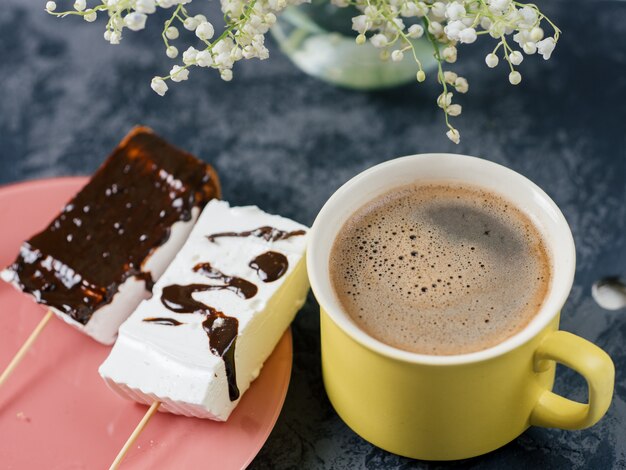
[[239, 286], [163, 321], [270, 266], [107, 231], [222, 330], [179, 298], [146, 277], [269, 234]]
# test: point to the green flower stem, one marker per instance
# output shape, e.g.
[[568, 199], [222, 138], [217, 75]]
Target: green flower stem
[[442, 80], [168, 23], [63, 14], [507, 51]]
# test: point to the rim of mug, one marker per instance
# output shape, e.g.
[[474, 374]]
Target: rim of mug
[[554, 300]]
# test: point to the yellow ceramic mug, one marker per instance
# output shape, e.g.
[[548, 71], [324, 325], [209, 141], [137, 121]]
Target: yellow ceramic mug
[[454, 407]]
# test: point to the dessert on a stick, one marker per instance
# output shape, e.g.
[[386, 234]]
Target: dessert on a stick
[[98, 259], [216, 314]]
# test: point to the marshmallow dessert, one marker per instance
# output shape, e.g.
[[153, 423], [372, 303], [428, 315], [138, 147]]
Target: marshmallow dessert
[[98, 259], [216, 314]]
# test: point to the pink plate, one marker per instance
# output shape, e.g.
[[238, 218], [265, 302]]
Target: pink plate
[[57, 413]]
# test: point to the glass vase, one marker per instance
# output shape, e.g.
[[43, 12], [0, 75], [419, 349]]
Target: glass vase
[[318, 38]]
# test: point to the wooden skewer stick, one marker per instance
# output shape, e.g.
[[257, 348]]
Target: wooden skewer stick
[[25, 347], [131, 440]]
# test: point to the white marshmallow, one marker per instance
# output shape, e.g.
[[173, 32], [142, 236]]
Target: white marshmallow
[[174, 364]]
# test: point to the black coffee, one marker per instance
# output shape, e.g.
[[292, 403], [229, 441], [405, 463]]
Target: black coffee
[[440, 269]]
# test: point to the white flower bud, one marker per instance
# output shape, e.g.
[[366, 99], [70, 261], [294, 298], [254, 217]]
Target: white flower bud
[[200, 19], [135, 21], [422, 9], [409, 10], [115, 37], [415, 31], [178, 73], [454, 136], [529, 48], [468, 36], [172, 33], [444, 100], [435, 28], [421, 76], [360, 39], [190, 24], [145, 6], [491, 60], [397, 55], [516, 57], [379, 40], [528, 17], [499, 6], [455, 11], [270, 18], [51, 6], [107, 35], [449, 54], [226, 75], [204, 59], [159, 86], [223, 46], [171, 52], [515, 77], [90, 17], [546, 47], [536, 34], [438, 10], [80, 5], [237, 54], [248, 52], [454, 110], [360, 23], [450, 77], [461, 85], [189, 56], [371, 12], [205, 31], [453, 29]]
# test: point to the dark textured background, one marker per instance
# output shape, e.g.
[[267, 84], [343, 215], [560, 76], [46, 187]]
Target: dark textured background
[[285, 141]]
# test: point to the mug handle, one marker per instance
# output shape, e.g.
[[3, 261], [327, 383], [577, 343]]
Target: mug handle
[[555, 411]]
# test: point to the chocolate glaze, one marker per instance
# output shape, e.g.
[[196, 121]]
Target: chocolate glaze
[[107, 231], [239, 286], [266, 233], [163, 321], [222, 332], [270, 266], [146, 277], [178, 298], [222, 337]]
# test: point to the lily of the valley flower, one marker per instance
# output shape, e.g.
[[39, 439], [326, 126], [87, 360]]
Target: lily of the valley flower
[[389, 25]]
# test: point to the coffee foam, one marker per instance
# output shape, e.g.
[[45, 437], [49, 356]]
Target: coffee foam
[[440, 269]]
